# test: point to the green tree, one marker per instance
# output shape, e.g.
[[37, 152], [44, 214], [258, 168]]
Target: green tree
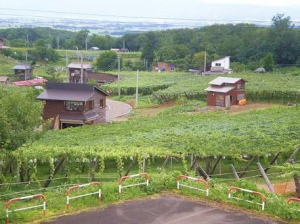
[[268, 62], [107, 61], [20, 116]]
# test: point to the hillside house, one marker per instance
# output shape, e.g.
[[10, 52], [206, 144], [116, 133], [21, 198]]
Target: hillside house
[[88, 74], [2, 44], [225, 91], [163, 67], [23, 72], [220, 66], [72, 105], [75, 72], [4, 80]]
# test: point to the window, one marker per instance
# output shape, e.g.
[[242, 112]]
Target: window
[[218, 64], [240, 86], [74, 106], [102, 103], [89, 105]]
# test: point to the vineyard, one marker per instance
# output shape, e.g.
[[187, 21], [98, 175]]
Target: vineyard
[[277, 86]]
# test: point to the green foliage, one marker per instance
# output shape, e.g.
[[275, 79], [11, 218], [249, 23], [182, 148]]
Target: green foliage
[[20, 117], [268, 62], [238, 67], [107, 60]]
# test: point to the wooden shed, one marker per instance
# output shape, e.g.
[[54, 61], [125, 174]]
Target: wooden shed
[[225, 91]]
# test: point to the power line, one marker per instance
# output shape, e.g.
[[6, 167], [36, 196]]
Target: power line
[[136, 17]]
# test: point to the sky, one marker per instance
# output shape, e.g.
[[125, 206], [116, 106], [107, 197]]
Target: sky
[[187, 9]]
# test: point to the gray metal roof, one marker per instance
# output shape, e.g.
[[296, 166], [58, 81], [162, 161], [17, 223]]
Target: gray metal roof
[[21, 67], [77, 65], [3, 78], [68, 95], [224, 89], [221, 80]]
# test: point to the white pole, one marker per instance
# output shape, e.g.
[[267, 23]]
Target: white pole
[[81, 71], [137, 89], [67, 69], [119, 68], [204, 62]]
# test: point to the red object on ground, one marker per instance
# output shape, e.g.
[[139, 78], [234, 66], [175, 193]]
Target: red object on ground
[[32, 82]]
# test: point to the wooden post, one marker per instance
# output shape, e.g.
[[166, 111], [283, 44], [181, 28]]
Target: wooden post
[[144, 164], [207, 164], [273, 161], [215, 165], [234, 172], [266, 178], [165, 162], [247, 167], [297, 184], [195, 162], [201, 171], [292, 157], [130, 166], [48, 181]]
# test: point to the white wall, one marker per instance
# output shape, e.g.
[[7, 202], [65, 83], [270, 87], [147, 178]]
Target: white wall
[[225, 63]]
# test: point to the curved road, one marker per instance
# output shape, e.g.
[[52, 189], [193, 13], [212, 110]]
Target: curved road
[[116, 109], [165, 210]]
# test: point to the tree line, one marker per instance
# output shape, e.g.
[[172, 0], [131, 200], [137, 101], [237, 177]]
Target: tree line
[[248, 45]]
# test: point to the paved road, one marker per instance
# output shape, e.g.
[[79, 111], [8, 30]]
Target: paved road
[[165, 210], [116, 109]]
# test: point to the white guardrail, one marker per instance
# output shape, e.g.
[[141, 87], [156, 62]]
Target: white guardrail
[[83, 195], [122, 179], [263, 198], [194, 179], [25, 208]]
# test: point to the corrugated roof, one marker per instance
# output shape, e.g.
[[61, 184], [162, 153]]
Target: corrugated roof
[[3, 78], [224, 89], [69, 95], [221, 80], [21, 67], [85, 65]]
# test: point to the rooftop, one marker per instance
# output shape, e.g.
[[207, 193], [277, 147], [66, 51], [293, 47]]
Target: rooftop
[[69, 92], [221, 80], [224, 89], [3, 78], [85, 65], [21, 67]]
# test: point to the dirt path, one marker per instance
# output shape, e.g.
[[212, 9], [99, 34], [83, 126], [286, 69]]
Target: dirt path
[[252, 106], [164, 210]]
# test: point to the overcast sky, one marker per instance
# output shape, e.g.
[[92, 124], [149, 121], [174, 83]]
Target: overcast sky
[[188, 9]]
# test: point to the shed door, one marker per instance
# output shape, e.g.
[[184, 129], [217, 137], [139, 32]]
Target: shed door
[[227, 101], [220, 100]]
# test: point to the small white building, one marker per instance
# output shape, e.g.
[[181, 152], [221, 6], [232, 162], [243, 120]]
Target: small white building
[[222, 63]]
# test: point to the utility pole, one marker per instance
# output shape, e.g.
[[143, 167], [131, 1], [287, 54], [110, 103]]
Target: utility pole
[[67, 70], [86, 43], [58, 42], [137, 89], [123, 44], [81, 70], [26, 65], [204, 61], [119, 68]]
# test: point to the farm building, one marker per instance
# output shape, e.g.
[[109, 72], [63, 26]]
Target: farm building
[[88, 74], [260, 70], [75, 72], [72, 105], [220, 66], [163, 67], [225, 91], [2, 44], [4, 80], [23, 72]]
